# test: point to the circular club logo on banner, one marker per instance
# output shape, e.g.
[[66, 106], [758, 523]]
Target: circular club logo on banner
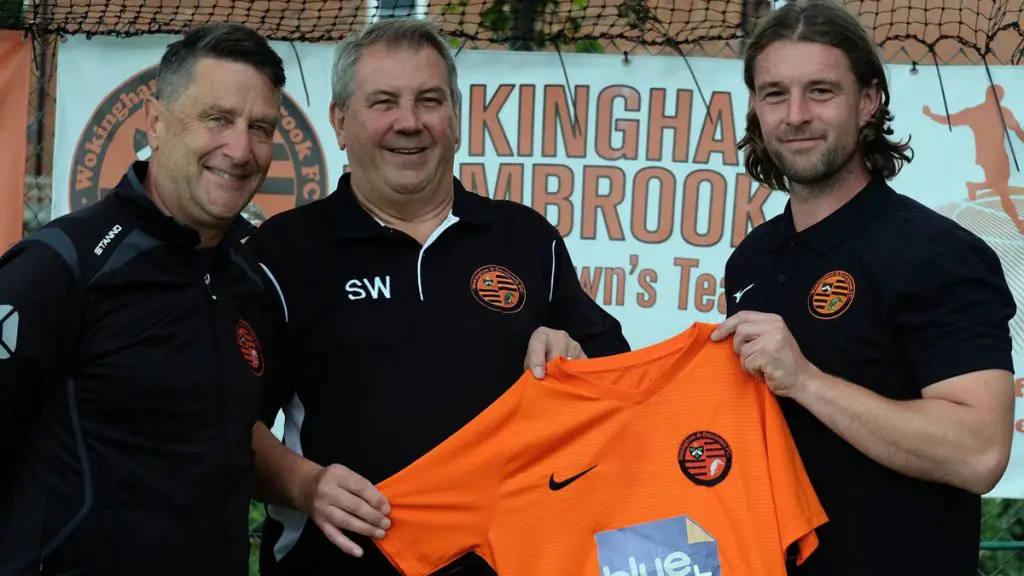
[[115, 136]]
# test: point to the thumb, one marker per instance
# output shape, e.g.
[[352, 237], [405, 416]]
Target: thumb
[[535, 355]]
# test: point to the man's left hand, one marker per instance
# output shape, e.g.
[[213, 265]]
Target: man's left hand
[[547, 344], [767, 350]]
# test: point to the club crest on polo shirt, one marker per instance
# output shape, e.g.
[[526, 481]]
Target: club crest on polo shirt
[[497, 288], [668, 547], [832, 295]]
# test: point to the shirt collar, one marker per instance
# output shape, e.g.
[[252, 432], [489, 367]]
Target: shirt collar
[[351, 220], [837, 226]]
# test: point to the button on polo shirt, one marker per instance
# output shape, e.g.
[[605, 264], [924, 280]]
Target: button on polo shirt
[[892, 296], [392, 346]]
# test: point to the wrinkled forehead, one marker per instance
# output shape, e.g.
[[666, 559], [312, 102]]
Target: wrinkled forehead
[[232, 88], [400, 69], [800, 64]]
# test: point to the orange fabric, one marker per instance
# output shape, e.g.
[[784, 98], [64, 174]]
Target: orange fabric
[[623, 420], [15, 71]]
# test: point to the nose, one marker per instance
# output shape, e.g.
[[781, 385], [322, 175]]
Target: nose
[[238, 144], [798, 111], [407, 118]]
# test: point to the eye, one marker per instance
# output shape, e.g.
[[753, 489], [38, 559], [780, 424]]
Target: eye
[[219, 120], [263, 130]]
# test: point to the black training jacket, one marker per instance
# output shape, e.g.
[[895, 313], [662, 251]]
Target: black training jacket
[[131, 373]]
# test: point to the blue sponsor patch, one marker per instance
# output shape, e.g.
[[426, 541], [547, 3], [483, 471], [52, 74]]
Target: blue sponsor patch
[[669, 547]]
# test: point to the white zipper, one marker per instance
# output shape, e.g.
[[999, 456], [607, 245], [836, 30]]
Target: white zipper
[[209, 288]]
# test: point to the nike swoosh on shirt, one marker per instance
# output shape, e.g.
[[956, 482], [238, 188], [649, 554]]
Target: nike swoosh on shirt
[[556, 485]]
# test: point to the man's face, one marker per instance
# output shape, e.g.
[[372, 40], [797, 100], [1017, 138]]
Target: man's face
[[214, 144], [810, 109], [399, 127]]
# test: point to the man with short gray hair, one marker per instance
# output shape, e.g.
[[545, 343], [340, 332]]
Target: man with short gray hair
[[413, 316], [134, 352]]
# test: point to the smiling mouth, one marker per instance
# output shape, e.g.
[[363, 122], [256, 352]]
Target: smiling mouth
[[406, 151], [232, 177], [802, 143]]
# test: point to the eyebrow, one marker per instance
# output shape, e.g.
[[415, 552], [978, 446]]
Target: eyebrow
[[767, 85], [218, 109], [231, 112], [431, 90], [434, 90], [814, 82]]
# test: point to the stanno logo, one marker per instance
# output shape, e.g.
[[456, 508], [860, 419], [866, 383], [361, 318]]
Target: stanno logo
[[668, 547], [358, 289], [115, 136], [8, 331], [106, 240]]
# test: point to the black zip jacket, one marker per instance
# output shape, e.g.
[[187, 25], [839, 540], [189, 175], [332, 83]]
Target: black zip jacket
[[131, 372]]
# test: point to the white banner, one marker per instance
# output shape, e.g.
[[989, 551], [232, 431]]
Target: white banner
[[650, 195]]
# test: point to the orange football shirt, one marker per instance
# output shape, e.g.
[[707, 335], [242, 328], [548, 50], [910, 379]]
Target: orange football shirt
[[664, 461]]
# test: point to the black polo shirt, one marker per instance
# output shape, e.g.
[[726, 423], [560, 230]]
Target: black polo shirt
[[392, 346], [892, 296]]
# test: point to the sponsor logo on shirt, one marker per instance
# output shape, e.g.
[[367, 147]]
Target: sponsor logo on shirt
[[668, 547]]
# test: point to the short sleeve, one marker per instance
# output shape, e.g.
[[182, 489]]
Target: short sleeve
[[797, 508], [442, 504], [730, 303], [952, 310]]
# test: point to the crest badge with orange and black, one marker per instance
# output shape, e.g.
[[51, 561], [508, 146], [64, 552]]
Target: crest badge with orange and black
[[705, 458], [115, 136], [249, 346], [831, 295], [498, 289]]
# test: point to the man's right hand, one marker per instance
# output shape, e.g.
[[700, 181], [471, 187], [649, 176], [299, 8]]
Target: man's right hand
[[337, 499]]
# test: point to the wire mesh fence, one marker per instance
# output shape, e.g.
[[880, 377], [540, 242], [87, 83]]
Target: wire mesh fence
[[923, 32]]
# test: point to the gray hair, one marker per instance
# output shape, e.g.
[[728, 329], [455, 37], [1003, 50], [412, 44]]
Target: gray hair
[[411, 33], [224, 41]]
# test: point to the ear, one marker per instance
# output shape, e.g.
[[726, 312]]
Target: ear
[[871, 99], [458, 128], [751, 98], [338, 123], [154, 112]]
